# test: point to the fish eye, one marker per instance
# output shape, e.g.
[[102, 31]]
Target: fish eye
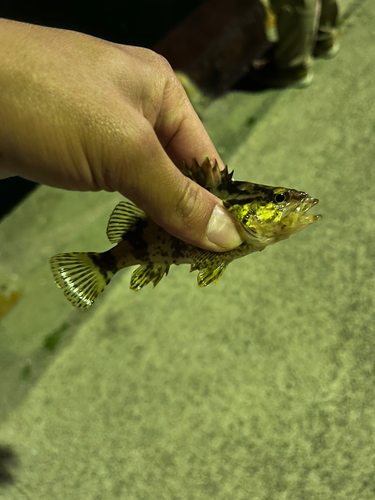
[[281, 197]]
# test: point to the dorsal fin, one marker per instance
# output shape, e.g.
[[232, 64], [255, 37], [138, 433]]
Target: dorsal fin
[[123, 218], [207, 175]]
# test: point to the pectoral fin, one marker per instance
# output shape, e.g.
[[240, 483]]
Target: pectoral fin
[[210, 274], [146, 274], [210, 265]]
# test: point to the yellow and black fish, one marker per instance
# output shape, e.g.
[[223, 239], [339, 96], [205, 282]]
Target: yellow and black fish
[[265, 216]]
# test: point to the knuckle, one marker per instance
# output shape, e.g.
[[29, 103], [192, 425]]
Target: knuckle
[[188, 205], [162, 63], [155, 61]]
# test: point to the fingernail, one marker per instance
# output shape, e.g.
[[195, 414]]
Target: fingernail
[[221, 229]]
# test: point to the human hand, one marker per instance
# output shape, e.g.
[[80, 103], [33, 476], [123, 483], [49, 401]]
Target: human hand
[[80, 113]]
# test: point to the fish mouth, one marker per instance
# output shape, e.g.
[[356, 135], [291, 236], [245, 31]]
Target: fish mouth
[[296, 216], [310, 202]]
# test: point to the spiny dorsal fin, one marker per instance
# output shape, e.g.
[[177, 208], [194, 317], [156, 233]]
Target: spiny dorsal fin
[[146, 274], [123, 218], [207, 175]]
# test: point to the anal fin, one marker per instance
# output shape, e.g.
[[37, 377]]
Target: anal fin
[[146, 274]]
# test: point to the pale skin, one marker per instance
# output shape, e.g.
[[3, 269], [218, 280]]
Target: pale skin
[[81, 113]]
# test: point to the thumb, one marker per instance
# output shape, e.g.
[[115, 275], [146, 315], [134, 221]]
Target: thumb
[[194, 215], [176, 203]]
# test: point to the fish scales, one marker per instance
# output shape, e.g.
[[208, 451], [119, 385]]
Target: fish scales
[[264, 216], [148, 242]]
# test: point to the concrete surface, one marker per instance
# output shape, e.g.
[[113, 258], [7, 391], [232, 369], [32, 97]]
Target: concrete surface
[[260, 387]]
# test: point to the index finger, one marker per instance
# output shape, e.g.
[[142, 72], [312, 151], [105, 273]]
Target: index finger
[[179, 129]]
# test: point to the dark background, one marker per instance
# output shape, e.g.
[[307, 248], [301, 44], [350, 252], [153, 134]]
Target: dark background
[[141, 23]]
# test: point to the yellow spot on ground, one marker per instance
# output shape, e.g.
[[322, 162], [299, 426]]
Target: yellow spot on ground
[[7, 302], [10, 292]]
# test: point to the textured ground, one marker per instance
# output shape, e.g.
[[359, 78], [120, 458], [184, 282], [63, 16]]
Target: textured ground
[[259, 387]]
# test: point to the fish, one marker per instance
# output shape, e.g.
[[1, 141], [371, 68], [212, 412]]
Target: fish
[[264, 215]]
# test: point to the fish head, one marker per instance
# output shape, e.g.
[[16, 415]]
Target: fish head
[[267, 215]]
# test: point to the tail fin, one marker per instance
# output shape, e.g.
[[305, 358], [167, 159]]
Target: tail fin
[[80, 277]]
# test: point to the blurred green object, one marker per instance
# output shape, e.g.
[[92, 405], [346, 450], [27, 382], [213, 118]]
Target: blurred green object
[[52, 340]]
